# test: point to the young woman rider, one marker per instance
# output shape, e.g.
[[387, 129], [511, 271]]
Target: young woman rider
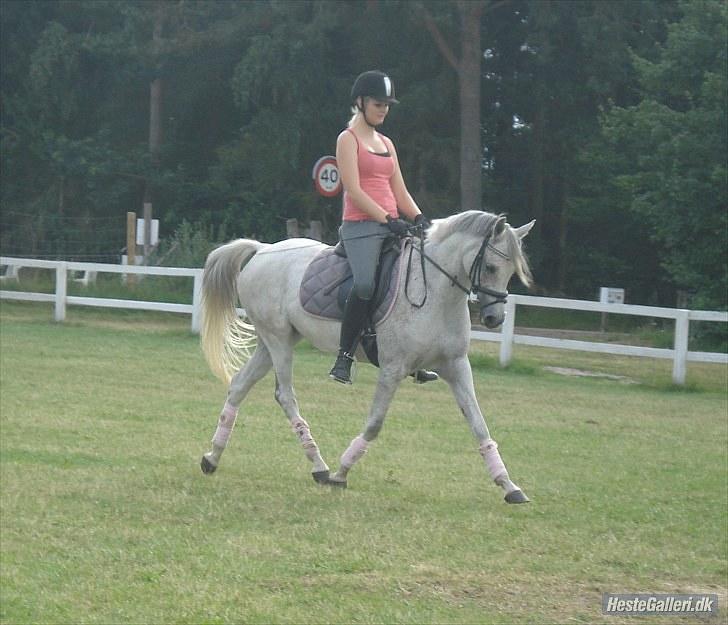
[[375, 196]]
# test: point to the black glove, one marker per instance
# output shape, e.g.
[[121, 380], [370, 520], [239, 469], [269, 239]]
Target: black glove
[[422, 221], [398, 227]]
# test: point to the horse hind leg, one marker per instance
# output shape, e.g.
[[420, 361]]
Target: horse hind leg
[[251, 373], [285, 396]]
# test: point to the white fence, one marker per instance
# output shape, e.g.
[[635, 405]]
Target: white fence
[[679, 355], [506, 336], [61, 299]]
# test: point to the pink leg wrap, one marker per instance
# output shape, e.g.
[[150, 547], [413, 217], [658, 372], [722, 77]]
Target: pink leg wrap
[[301, 429], [356, 449], [496, 468], [225, 425]]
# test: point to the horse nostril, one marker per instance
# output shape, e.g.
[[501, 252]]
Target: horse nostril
[[491, 321]]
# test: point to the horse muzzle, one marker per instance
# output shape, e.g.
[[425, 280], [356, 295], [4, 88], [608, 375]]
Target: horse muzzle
[[492, 309], [492, 315]]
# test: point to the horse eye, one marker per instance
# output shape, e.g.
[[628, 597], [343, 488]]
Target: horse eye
[[490, 268]]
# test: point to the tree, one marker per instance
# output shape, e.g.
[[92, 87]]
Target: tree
[[468, 68], [675, 141]]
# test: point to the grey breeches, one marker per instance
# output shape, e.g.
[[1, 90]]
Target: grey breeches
[[363, 242]]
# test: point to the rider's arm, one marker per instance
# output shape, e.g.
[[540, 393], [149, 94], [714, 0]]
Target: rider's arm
[[347, 162], [405, 203]]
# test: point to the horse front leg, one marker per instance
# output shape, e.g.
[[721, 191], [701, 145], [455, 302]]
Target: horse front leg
[[251, 373], [386, 387], [459, 376]]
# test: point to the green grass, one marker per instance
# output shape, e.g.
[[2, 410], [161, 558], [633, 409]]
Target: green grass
[[106, 517]]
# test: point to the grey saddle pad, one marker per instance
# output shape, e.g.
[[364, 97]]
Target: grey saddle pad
[[328, 273]]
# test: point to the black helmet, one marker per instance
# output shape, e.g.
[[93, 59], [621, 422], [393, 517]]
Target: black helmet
[[374, 84]]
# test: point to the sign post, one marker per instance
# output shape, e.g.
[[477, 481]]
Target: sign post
[[608, 295], [131, 221]]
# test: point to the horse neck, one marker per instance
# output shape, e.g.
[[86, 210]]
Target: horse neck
[[449, 255]]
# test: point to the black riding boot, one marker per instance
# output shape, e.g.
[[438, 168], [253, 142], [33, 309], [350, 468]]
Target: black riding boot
[[355, 317]]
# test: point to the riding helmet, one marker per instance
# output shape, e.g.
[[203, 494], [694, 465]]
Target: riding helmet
[[374, 84]]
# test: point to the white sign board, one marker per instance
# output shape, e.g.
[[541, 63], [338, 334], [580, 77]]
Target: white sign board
[[609, 295], [140, 232]]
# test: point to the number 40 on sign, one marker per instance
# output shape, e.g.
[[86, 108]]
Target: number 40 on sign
[[326, 176]]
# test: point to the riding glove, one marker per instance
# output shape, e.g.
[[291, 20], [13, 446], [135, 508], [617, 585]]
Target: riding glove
[[398, 227], [422, 221]]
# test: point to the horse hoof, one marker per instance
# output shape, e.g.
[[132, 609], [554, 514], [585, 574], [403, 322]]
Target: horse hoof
[[516, 496], [337, 482], [320, 477], [207, 466]]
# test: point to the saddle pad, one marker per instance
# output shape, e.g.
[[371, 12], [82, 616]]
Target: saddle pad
[[324, 277]]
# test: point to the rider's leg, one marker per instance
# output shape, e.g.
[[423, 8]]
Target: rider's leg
[[355, 317], [363, 243]]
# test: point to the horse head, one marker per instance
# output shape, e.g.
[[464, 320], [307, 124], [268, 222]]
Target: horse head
[[491, 253], [499, 256]]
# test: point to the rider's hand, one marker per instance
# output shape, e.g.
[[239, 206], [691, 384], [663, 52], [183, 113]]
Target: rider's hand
[[422, 221], [398, 227]]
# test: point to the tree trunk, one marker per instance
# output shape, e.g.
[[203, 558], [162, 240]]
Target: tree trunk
[[468, 70], [563, 229], [155, 132], [537, 180], [471, 189]]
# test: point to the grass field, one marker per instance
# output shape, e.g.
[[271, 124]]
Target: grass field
[[106, 517]]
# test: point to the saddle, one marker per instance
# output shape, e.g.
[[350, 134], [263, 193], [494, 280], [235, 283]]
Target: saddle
[[328, 280]]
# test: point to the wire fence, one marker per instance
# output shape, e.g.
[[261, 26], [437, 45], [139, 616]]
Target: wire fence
[[69, 237]]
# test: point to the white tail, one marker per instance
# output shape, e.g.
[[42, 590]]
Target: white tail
[[227, 341]]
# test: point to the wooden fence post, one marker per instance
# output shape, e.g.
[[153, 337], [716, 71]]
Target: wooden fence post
[[682, 333], [61, 291], [197, 302], [315, 230], [292, 228], [509, 325]]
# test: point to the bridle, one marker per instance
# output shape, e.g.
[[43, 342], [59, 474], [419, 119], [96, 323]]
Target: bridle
[[499, 297], [476, 286]]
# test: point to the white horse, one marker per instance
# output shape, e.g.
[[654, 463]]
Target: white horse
[[472, 251]]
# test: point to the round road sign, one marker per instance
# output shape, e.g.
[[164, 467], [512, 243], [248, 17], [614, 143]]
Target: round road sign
[[326, 176]]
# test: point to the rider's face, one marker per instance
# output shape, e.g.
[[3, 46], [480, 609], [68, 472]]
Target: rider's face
[[375, 110]]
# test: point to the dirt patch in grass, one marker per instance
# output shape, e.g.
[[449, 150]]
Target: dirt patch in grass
[[580, 373]]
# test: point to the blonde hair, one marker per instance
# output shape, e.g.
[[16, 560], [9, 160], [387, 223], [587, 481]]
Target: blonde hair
[[354, 112]]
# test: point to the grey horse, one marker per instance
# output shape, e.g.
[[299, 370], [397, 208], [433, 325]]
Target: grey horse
[[428, 327]]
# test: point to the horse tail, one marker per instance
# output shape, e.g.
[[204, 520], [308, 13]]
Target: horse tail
[[226, 339]]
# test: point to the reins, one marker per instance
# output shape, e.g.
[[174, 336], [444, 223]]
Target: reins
[[409, 269]]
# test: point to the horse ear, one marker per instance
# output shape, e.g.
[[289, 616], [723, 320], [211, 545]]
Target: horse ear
[[500, 225], [524, 230]]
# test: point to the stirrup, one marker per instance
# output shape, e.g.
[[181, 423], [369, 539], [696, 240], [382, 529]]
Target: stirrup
[[341, 371], [422, 376]]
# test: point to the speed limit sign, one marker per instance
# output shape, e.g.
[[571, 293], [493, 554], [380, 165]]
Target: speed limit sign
[[326, 176]]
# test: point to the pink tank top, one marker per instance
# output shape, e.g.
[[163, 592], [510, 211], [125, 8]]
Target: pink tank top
[[375, 172]]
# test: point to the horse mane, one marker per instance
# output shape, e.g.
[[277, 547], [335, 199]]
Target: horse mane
[[481, 224]]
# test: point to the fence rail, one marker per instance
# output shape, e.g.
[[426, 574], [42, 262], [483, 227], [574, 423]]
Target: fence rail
[[61, 298], [680, 355]]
